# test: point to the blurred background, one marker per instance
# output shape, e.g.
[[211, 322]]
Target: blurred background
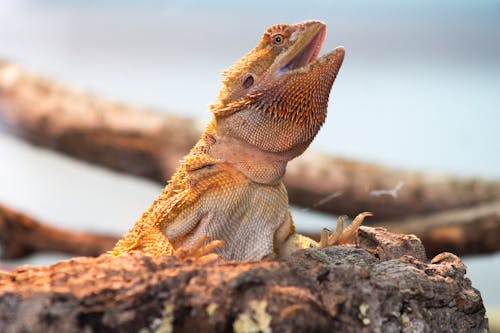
[[419, 89]]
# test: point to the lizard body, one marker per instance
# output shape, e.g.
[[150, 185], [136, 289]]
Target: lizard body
[[229, 187]]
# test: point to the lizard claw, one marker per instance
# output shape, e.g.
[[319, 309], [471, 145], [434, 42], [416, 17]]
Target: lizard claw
[[200, 250], [340, 235]]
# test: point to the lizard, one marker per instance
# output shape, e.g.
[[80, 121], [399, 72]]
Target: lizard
[[227, 195]]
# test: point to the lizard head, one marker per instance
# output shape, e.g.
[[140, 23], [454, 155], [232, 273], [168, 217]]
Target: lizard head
[[274, 100], [276, 96]]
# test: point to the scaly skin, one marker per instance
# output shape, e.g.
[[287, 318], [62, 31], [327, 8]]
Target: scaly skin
[[229, 187]]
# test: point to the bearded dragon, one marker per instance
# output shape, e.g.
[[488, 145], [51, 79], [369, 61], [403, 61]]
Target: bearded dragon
[[227, 195]]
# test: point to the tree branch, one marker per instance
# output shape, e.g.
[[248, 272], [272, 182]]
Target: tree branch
[[463, 231], [121, 137], [21, 235]]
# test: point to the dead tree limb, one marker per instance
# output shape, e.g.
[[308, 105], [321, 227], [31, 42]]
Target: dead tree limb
[[385, 286], [343, 186], [21, 235], [118, 136], [150, 144], [474, 230], [464, 231]]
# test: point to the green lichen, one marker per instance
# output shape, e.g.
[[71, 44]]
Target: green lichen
[[211, 308], [363, 314]]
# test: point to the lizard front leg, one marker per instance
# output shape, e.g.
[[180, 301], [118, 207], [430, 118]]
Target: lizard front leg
[[175, 209], [202, 249]]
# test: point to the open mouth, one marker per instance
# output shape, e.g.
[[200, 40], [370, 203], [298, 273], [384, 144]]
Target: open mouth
[[308, 53]]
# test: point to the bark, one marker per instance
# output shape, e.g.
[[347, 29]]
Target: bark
[[149, 144], [385, 286], [21, 235]]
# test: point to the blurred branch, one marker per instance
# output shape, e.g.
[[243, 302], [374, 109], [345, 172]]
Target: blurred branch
[[472, 230], [121, 137], [344, 186], [21, 235], [465, 231], [149, 144]]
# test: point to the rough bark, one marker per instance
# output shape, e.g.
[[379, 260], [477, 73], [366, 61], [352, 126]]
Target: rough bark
[[21, 235], [384, 286], [150, 144]]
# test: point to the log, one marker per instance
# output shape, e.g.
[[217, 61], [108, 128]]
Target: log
[[149, 144], [21, 235], [384, 286]]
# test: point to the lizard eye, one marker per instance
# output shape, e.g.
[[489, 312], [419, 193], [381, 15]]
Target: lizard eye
[[248, 82], [277, 39]]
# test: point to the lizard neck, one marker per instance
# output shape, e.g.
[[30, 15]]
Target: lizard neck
[[260, 166]]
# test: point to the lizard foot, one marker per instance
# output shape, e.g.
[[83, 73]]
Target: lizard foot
[[340, 235], [199, 250]]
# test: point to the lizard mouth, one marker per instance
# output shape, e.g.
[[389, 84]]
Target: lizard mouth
[[307, 54]]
